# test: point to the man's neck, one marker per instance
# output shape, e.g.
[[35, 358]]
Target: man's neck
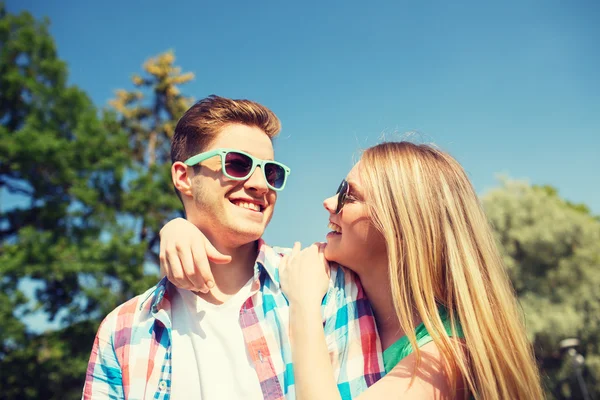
[[231, 277]]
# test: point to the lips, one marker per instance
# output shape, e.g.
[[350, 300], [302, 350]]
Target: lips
[[334, 227]]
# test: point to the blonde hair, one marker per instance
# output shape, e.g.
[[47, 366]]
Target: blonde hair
[[441, 251]]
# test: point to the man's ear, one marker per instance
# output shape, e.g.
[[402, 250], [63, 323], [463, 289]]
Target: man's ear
[[181, 178]]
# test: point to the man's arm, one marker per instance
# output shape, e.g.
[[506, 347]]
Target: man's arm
[[185, 256], [104, 377]]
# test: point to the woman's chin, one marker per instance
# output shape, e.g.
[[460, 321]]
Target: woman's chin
[[332, 253], [329, 253]]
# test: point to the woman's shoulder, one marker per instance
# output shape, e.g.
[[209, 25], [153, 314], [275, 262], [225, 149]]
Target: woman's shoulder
[[427, 378], [403, 348]]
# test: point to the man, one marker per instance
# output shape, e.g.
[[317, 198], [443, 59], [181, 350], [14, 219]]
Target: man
[[231, 339]]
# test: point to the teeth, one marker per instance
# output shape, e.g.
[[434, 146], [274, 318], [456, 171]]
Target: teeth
[[249, 206], [334, 227]]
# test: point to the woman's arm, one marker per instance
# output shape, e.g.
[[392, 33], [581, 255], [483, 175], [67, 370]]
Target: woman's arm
[[314, 375], [305, 280]]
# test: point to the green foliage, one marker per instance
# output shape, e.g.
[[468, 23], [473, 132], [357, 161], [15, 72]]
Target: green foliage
[[84, 206], [552, 250], [50, 366], [148, 115]]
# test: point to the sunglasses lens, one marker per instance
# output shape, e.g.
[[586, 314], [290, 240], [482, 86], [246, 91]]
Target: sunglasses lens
[[237, 165], [341, 192], [275, 175], [342, 187]]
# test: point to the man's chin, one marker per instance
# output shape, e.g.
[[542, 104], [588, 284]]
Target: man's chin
[[245, 235]]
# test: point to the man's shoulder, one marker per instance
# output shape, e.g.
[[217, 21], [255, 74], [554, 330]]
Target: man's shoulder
[[283, 251], [343, 277], [127, 314]]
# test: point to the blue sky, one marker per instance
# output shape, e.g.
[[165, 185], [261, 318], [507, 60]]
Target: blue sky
[[506, 87]]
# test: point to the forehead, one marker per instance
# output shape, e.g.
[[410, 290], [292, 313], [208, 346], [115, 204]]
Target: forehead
[[249, 139], [353, 178]]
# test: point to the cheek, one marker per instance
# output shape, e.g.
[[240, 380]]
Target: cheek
[[268, 212], [207, 195], [377, 246], [272, 198], [358, 236], [197, 192], [353, 246]]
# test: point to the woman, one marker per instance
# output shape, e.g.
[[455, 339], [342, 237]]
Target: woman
[[409, 223]]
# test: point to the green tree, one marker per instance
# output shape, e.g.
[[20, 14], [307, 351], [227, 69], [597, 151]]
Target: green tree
[[83, 194], [148, 114], [552, 251]]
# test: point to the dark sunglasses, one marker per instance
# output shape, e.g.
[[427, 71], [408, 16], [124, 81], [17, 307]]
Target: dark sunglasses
[[342, 193], [239, 166]]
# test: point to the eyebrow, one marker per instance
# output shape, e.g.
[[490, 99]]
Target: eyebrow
[[354, 188]]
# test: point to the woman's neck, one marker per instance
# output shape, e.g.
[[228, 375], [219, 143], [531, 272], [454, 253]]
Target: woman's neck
[[377, 287]]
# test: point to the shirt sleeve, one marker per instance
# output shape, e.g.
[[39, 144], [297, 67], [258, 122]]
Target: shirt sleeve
[[351, 334], [104, 378]]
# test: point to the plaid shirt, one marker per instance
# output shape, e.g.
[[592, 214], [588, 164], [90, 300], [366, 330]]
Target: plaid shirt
[[131, 356]]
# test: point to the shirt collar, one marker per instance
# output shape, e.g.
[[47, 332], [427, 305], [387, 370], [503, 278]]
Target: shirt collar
[[267, 260], [155, 294]]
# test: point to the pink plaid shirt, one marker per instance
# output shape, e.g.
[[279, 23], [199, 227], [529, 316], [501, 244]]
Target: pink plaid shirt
[[131, 355]]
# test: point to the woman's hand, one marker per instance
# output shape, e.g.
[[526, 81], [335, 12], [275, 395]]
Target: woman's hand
[[304, 275], [185, 254]]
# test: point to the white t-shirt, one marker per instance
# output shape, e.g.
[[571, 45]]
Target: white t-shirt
[[209, 357]]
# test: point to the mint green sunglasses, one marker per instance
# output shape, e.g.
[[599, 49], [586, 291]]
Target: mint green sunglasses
[[239, 166]]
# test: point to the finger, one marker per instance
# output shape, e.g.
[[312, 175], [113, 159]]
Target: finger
[[321, 246], [205, 279], [296, 248], [283, 265], [316, 247], [162, 260], [192, 276], [175, 271], [323, 259], [215, 255]]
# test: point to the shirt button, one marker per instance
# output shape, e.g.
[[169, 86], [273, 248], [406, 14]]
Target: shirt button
[[162, 385]]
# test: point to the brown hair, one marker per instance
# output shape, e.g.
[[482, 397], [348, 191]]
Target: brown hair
[[198, 127]]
